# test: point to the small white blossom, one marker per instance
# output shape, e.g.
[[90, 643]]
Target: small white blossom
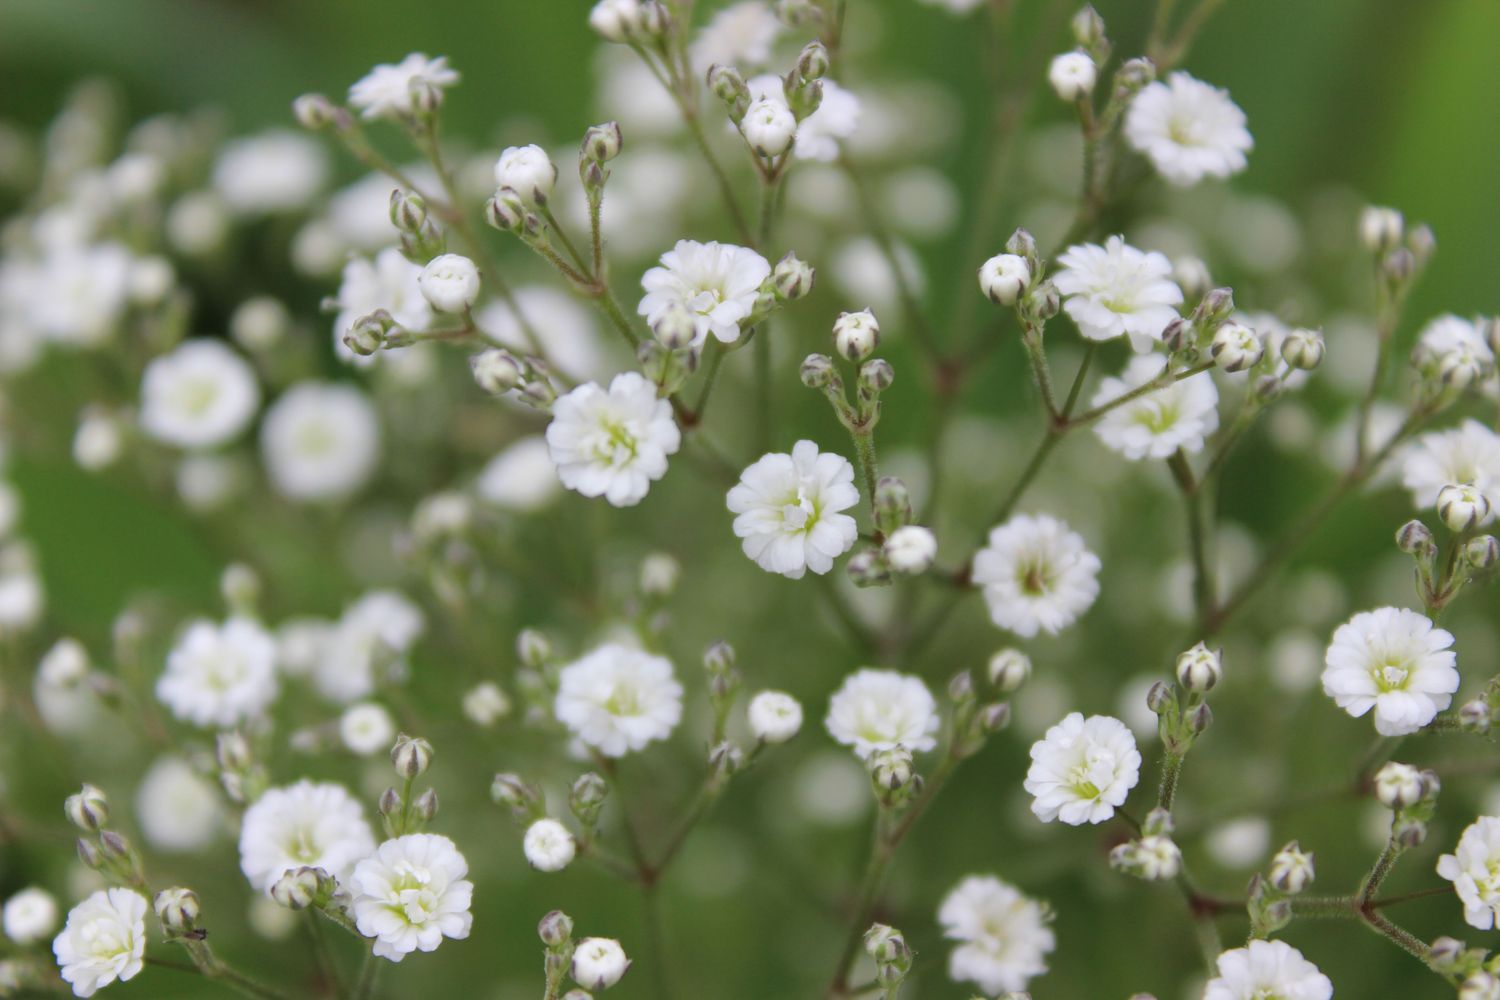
[[388, 281], [598, 963], [769, 126], [1380, 228], [549, 846], [528, 171], [1037, 575], [276, 171], [788, 510], [312, 824], [388, 91], [1188, 129], [1003, 937], [1267, 969], [739, 35], [178, 809], [320, 441], [30, 915], [374, 633], [521, 478], [104, 940], [910, 549], [220, 675], [485, 704], [1072, 75], [876, 710], [367, 728], [1395, 661], [774, 716], [1116, 290], [615, 20], [449, 283], [200, 395], [618, 699], [1474, 870], [1180, 415], [1004, 277], [1398, 785], [1082, 770], [1466, 455], [612, 443], [411, 894], [717, 283]]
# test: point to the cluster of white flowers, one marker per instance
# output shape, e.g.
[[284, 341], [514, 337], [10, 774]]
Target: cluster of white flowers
[[717, 283]]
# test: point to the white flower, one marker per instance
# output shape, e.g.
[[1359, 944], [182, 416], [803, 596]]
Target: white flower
[[376, 630], [774, 716], [615, 20], [598, 963], [78, 293], [820, 133], [1178, 416], [64, 699], [178, 808], [717, 282], [1082, 770], [387, 91], [1117, 290], [1394, 661], [104, 940], [1037, 575], [1004, 277], [1072, 75], [910, 549], [739, 35], [30, 915], [318, 825], [485, 704], [1004, 937], [1465, 455], [548, 845], [389, 282], [876, 710], [1188, 129], [200, 395], [769, 126], [449, 283], [957, 7], [618, 699], [521, 477], [367, 728], [1474, 870], [612, 443], [220, 675], [411, 894], [320, 441], [788, 510], [1267, 969], [276, 171]]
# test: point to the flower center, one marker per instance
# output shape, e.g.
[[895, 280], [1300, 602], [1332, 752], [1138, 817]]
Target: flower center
[[1034, 577], [105, 938], [616, 443], [705, 300], [1092, 774], [304, 846], [799, 514], [623, 700], [1156, 416], [1392, 675]]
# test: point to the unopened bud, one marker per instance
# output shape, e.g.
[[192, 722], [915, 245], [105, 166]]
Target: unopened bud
[[1482, 552], [1160, 697], [1474, 716], [1462, 506], [1044, 300], [408, 210], [1004, 277], [533, 648], [1380, 229], [856, 334], [1303, 349], [411, 756], [1414, 539], [1008, 670], [314, 111], [868, 568], [602, 143], [877, 375], [87, 809], [1178, 335], [1292, 869], [178, 910], [817, 371], [1200, 668], [1200, 719], [389, 803], [813, 62], [1398, 786], [555, 929], [792, 277], [1236, 347], [426, 806], [893, 769]]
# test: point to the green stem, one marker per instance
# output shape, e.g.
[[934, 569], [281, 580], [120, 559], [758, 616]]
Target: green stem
[[1171, 774], [369, 971], [1203, 580], [567, 244]]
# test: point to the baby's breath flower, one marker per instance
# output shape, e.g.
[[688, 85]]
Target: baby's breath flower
[[310, 824], [367, 728], [774, 716], [410, 894], [1474, 870], [612, 442], [449, 283], [392, 91], [220, 675], [1116, 290], [1394, 661], [549, 846], [717, 282], [618, 699], [788, 510], [1188, 129], [1003, 937], [876, 710], [1267, 969], [599, 963], [30, 915], [528, 171], [1179, 416], [1037, 575], [1082, 770], [200, 395], [1072, 76], [104, 940], [1466, 455]]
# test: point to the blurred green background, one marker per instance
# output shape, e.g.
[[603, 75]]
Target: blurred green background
[[1389, 100]]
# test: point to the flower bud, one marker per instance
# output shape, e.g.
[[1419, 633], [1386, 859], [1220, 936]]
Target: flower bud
[[719, 657], [675, 329], [887, 946], [1303, 349], [1414, 539], [856, 334], [769, 127], [1157, 858], [1292, 869], [549, 846], [892, 770], [1178, 335], [587, 796], [89, 855], [1200, 719], [496, 371], [1480, 986], [654, 19], [792, 278], [1008, 670], [1215, 307], [426, 806], [87, 809], [1462, 507], [1474, 716], [1160, 697], [1004, 277], [368, 333], [1380, 229], [615, 20], [995, 716], [1443, 953], [389, 803], [910, 549], [1408, 832], [1088, 27], [598, 963], [868, 568], [961, 687], [1480, 553], [178, 910], [555, 929], [1422, 243], [314, 112], [813, 62], [1043, 300], [1236, 347], [511, 790], [602, 143], [113, 845], [449, 283], [411, 756], [817, 371], [1398, 265], [876, 375], [728, 86], [1398, 786], [1200, 668], [1133, 75], [297, 888], [1072, 76]]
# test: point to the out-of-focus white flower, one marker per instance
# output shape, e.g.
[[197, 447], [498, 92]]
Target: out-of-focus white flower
[[957, 7], [1072, 75], [717, 282], [1448, 335], [528, 171], [615, 20], [485, 704], [220, 675], [1239, 844], [389, 282], [374, 632], [78, 294], [449, 283], [910, 549], [200, 395], [1116, 290], [320, 441], [64, 699], [198, 223], [411, 894], [1177, 416], [612, 442], [876, 710], [1380, 228], [520, 478], [1003, 936], [617, 699], [275, 171], [1395, 661], [565, 329], [1037, 575], [30, 915], [367, 728], [22, 599], [769, 126], [312, 824], [388, 91], [104, 940], [1188, 129], [259, 323], [598, 963], [774, 716], [1474, 870], [740, 35], [207, 481], [820, 134], [1082, 770], [1267, 969], [788, 506], [99, 440], [548, 845], [177, 808], [1467, 455]]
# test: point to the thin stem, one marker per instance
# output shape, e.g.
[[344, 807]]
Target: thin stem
[[1203, 580], [322, 954], [910, 306], [1031, 339], [713, 357], [869, 891], [657, 936], [562, 236]]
